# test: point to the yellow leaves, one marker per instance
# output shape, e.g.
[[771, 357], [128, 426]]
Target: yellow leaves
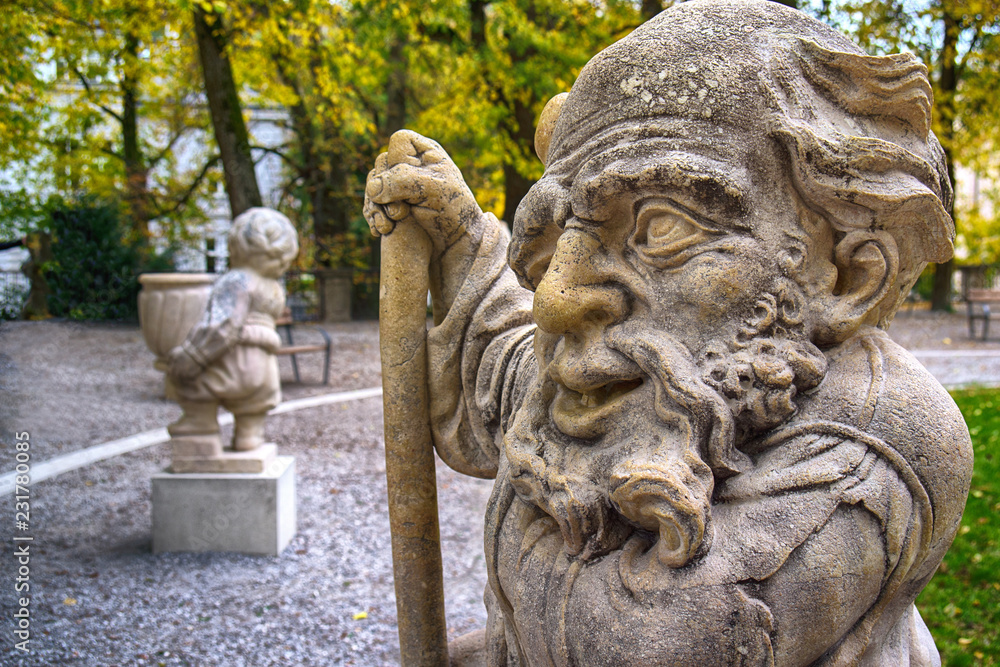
[[360, 616], [69, 602], [330, 63]]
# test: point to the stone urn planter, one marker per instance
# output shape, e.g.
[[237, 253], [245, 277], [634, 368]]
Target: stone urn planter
[[169, 305]]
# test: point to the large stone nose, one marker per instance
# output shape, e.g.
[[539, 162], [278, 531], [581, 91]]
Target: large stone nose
[[578, 290]]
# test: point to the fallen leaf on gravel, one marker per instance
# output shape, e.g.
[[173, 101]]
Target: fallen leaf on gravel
[[360, 615], [69, 601]]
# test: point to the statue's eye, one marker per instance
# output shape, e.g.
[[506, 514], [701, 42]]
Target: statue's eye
[[666, 234]]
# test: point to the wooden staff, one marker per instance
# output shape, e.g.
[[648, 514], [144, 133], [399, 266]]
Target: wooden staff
[[409, 449]]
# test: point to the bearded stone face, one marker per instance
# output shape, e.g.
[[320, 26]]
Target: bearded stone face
[[642, 453], [695, 240], [668, 336], [658, 244]]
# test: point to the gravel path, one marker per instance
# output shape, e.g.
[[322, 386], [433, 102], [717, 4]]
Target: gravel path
[[941, 343], [100, 597]]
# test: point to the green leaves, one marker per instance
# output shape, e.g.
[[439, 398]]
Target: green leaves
[[80, 65], [961, 604], [93, 273]]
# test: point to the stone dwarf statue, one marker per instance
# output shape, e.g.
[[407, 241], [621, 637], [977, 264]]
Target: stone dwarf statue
[[228, 357], [707, 451]]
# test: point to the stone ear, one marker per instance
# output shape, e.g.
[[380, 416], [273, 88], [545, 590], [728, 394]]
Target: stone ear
[[867, 263]]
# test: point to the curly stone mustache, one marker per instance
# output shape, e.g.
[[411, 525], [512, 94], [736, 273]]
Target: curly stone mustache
[[662, 479]]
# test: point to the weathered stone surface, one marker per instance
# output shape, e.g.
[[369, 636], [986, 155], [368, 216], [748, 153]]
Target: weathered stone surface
[[706, 449], [228, 357], [250, 513], [409, 448]]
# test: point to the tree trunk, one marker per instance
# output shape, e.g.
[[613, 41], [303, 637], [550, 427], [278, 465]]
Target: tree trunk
[[477, 25], [945, 102], [136, 172], [317, 169], [37, 305], [395, 117], [227, 115], [328, 196], [651, 8], [520, 124], [516, 186]]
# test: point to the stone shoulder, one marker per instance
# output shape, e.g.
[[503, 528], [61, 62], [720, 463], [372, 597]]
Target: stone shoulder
[[875, 385]]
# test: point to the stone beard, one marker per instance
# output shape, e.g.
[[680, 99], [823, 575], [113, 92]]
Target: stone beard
[[653, 465]]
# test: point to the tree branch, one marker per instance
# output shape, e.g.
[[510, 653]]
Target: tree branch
[[368, 105], [153, 161], [284, 157], [973, 47], [178, 203], [90, 94], [61, 145]]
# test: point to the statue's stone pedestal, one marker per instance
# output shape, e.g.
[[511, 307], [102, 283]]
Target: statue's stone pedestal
[[246, 512], [204, 453]]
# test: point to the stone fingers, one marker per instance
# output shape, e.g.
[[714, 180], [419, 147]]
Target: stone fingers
[[378, 222], [403, 183], [408, 147], [403, 149]]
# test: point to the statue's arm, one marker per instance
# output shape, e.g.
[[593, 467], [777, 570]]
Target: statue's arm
[[479, 352]]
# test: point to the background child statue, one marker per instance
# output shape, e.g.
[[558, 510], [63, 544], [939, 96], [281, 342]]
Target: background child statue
[[228, 357]]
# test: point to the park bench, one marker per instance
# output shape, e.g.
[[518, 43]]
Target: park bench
[[286, 324], [978, 302]]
